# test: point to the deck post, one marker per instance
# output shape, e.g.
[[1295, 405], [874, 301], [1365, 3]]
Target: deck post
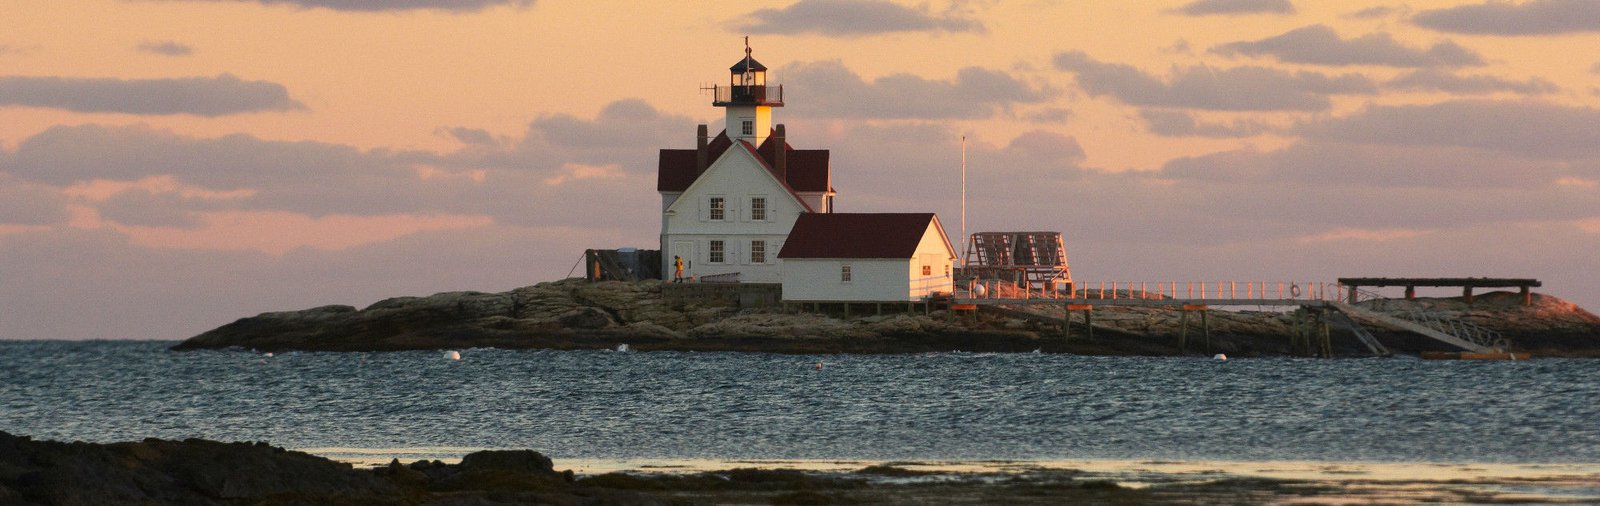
[[1466, 293], [1353, 290], [1183, 332], [1527, 296], [1327, 337], [1294, 327], [1411, 292]]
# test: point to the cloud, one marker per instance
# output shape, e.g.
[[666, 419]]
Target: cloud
[[23, 203], [1533, 17], [143, 207], [1182, 124], [1049, 115], [853, 18], [1357, 167], [1377, 12], [1595, 69], [1230, 7], [143, 292], [200, 96], [1436, 80], [1201, 87], [1320, 45], [562, 170], [470, 136], [389, 5], [166, 48], [1532, 129], [831, 90]]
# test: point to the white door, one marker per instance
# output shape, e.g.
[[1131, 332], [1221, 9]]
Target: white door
[[684, 250]]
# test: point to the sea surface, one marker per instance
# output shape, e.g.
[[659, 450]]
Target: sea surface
[[731, 406]]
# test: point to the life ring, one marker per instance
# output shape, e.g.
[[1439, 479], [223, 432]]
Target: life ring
[[1294, 289]]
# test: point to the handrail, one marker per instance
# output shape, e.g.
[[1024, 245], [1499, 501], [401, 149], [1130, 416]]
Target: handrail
[[1162, 290]]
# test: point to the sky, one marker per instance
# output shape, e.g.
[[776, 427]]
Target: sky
[[169, 166]]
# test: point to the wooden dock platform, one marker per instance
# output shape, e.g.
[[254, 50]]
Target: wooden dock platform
[[1173, 303], [1525, 285]]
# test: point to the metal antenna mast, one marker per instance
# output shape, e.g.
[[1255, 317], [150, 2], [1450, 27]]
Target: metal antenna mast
[[963, 200]]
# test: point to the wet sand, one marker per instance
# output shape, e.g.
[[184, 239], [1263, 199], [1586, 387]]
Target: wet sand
[[1052, 481]]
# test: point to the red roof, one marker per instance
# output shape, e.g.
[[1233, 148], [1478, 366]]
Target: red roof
[[807, 169], [856, 235]]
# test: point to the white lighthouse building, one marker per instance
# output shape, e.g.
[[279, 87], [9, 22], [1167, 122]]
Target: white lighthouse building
[[727, 206]]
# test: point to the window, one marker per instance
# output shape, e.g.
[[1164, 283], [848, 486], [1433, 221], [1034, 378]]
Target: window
[[758, 252], [749, 127], [716, 251], [718, 208], [758, 208], [927, 270], [844, 274]]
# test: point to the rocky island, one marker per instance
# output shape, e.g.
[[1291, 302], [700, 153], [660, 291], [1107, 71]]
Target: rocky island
[[577, 314]]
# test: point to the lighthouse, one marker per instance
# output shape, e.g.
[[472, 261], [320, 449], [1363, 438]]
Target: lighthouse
[[728, 204]]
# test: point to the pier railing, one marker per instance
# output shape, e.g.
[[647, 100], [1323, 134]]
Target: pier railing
[[1232, 291], [1460, 329]]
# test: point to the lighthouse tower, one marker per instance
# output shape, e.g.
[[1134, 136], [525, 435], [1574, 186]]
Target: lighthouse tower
[[748, 100], [727, 206]]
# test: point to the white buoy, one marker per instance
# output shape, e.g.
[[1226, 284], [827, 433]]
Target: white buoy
[[452, 355], [1220, 357], [624, 347], [269, 354], [819, 366]]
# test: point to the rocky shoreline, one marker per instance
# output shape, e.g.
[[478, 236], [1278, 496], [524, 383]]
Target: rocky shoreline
[[202, 472], [576, 314]]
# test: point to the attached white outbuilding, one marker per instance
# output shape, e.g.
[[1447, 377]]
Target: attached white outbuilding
[[866, 257]]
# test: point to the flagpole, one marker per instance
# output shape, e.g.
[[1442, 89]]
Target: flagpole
[[964, 245]]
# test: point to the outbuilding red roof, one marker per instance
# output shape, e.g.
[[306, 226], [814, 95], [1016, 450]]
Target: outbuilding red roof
[[806, 169], [856, 235]]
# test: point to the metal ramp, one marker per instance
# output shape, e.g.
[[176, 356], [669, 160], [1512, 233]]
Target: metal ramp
[[1367, 339], [1460, 334]]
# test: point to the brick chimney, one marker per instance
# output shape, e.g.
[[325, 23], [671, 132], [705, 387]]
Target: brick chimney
[[780, 154], [701, 152]]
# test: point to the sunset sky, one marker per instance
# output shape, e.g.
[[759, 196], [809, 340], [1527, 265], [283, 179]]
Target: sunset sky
[[168, 166]]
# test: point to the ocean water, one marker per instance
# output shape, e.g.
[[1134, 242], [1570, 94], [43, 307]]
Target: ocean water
[[728, 406]]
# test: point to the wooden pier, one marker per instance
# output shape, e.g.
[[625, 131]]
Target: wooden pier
[[1466, 284], [1318, 307]]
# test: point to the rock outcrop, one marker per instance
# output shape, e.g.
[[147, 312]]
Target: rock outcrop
[[201, 472], [575, 314], [157, 471]]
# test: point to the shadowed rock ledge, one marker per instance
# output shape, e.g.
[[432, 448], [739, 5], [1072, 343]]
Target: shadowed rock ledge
[[200, 472], [575, 314]]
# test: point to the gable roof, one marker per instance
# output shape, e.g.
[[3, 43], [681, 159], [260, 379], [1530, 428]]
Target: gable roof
[[748, 150], [754, 153], [806, 170], [857, 235]]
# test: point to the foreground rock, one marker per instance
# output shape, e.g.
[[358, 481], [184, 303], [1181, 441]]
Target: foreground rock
[[199, 472], [575, 314]]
